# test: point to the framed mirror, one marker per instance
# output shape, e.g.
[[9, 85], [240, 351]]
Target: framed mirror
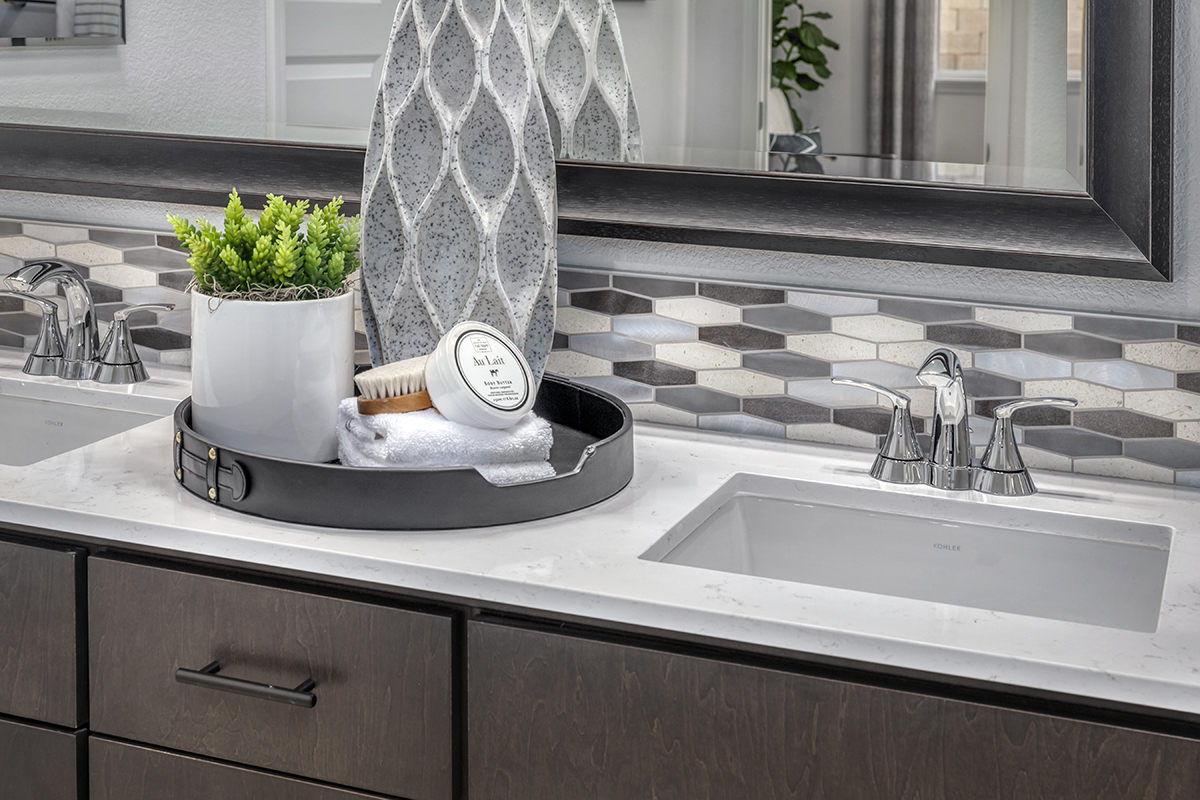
[[62, 23], [961, 187]]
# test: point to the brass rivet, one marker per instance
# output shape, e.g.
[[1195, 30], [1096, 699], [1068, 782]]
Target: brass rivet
[[178, 437], [179, 475], [212, 494], [212, 454]]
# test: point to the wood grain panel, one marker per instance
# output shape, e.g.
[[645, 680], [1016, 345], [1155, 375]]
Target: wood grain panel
[[382, 721], [128, 772], [38, 655], [563, 717], [37, 763]]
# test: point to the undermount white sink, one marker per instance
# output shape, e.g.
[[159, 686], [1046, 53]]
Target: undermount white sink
[[964, 552]]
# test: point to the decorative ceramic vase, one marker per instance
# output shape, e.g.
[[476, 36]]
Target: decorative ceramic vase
[[585, 81], [267, 377], [459, 197]]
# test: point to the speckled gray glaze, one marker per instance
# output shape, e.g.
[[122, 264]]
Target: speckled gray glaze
[[459, 198], [585, 81]]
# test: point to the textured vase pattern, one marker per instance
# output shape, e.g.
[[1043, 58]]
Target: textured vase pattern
[[585, 81], [459, 203]]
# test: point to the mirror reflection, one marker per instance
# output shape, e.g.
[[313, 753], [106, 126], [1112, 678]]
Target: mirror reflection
[[968, 91], [57, 23]]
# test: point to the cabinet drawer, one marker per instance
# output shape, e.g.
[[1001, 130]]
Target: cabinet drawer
[[569, 718], [39, 660], [382, 718], [121, 771], [38, 763]]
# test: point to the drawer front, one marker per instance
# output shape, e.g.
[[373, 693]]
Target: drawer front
[[39, 659], [382, 719], [569, 718], [38, 763], [121, 771]]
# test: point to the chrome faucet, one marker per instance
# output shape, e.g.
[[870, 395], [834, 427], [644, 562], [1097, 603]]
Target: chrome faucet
[[81, 341], [950, 448]]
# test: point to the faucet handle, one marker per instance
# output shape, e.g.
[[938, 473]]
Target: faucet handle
[[900, 459], [119, 361], [1002, 471], [47, 354]]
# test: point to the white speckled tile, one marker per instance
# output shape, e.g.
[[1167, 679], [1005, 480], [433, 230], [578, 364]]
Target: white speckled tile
[[663, 415], [697, 355], [832, 347], [1168, 404], [1124, 468], [1023, 321], [577, 320], [828, 433], [878, 328], [25, 248], [698, 311], [576, 365], [1089, 395], [740, 382], [1178, 356], [55, 234]]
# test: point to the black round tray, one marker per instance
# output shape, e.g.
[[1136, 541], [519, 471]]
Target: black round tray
[[592, 456]]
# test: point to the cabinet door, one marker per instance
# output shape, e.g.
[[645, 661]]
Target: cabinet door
[[37, 763], [382, 718], [39, 674], [562, 717], [120, 771]]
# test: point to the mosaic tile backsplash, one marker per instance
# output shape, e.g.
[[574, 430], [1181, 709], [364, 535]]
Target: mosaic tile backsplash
[[756, 360]]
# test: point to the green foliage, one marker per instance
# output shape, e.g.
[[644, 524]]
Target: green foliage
[[797, 48], [273, 253]]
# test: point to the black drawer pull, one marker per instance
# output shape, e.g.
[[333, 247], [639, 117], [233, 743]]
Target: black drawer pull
[[207, 677]]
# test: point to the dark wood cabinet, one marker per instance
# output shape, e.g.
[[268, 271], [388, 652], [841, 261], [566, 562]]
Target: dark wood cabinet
[[37, 763], [383, 715], [569, 718], [39, 659]]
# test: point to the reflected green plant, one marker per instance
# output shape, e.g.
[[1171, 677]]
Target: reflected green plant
[[797, 42]]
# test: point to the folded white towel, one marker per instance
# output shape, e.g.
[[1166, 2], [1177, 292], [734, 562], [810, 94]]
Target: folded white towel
[[426, 439]]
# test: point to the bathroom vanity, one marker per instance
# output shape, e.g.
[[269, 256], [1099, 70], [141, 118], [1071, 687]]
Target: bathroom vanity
[[156, 645]]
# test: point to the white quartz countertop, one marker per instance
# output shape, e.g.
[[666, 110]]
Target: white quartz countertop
[[586, 564]]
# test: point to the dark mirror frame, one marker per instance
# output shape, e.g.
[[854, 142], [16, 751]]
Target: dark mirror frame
[[1121, 229]]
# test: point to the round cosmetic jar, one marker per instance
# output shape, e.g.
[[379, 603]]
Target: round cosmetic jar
[[478, 377]]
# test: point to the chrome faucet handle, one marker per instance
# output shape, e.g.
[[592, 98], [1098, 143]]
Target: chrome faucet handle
[[950, 465], [1002, 471], [47, 354], [900, 459], [80, 341], [119, 362]]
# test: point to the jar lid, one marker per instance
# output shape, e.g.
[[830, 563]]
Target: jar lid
[[478, 377]]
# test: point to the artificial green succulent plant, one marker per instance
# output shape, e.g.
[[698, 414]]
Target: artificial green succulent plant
[[272, 258]]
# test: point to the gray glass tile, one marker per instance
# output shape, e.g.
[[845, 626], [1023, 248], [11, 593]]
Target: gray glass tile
[[786, 319], [360, 341], [608, 301], [562, 298], [787, 410], [871, 420], [628, 391], [1023, 364], [9, 303], [1123, 375], [571, 280], [1026, 416], [10, 339], [1124, 424], [786, 365], [1189, 333], [156, 258], [169, 242], [1072, 345], [611, 347], [1125, 330], [973, 335], [561, 342], [981, 384], [698, 400], [1170, 453], [833, 304], [654, 373], [742, 295], [10, 229], [176, 280], [654, 287], [740, 337], [893, 376], [103, 293], [1188, 478], [1072, 442], [918, 311], [742, 425], [22, 323], [827, 393], [123, 239], [1188, 381], [651, 328], [160, 339]]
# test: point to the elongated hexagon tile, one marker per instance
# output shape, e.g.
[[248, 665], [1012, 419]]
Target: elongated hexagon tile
[[1124, 425], [787, 410], [123, 276], [21, 323], [1041, 416], [1036, 458], [655, 329], [654, 373], [56, 234], [698, 311], [10, 303], [913, 354], [609, 301], [1125, 329], [982, 384], [1124, 375], [1169, 453], [570, 364], [698, 400], [1168, 404], [827, 393], [1176, 356], [829, 433], [25, 248], [1188, 478], [571, 280], [785, 319], [576, 320], [1124, 468], [663, 415], [157, 258], [742, 425], [1188, 431], [973, 335], [1069, 344], [10, 339], [160, 338], [1023, 365], [742, 295], [560, 341], [875, 421], [628, 391], [156, 294], [90, 254], [881, 372], [878, 328], [1089, 395], [1073, 442], [1023, 321], [612, 347], [10, 228], [654, 287], [740, 382], [697, 355], [921, 311], [562, 298], [1188, 333], [126, 240], [834, 305], [742, 337], [832, 347], [786, 365], [1188, 381]]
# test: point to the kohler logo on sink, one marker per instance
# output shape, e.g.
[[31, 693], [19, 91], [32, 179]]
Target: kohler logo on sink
[[55, 422], [954, 547]]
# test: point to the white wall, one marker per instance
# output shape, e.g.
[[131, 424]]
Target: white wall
[[215, 84]]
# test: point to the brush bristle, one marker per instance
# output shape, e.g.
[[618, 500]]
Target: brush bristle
[[393, 380]]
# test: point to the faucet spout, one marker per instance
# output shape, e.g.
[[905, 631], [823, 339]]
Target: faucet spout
[[950, 456], [81, 342]]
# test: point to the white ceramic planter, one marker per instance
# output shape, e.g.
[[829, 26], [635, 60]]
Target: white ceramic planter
[[267, 377]]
